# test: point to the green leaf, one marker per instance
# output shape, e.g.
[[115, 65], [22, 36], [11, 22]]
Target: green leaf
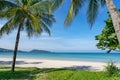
[[118, 46]]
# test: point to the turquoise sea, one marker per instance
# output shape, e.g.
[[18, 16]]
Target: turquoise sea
[[81, 56]]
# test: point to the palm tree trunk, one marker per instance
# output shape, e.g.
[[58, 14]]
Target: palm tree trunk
[[115, 17], [16, 48]]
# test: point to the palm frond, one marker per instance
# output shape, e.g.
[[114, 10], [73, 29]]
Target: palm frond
[[73, 11], [29, 28], [40, 7], [102, 2], [24, 2], [8, 13], [56, 4], [6, 4], [47, 19], [18, 2], [32, 2], [12, 23], [92, 11], [8, 27], [2, 14], [45, 28], [19, 16], [34, 20], [69, 17]]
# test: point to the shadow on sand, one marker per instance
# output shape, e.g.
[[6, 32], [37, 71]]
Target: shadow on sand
[[18, 62], [82, 68], [79, 67]]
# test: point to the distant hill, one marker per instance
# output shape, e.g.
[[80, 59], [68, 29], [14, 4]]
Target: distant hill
[[35, 50], [42, 51], [8, 50], [5, 50]]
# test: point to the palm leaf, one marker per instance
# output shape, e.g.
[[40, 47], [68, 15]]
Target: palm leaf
[[41, 7], [32, 2], [73, 11], [29, 28], [8, 27], [69, 17], [6, 4], [45, 28], [102, 2], [47, 19], [18, 2], [8, 13], [34, 20], [12, 23], [56, 4], [92, 11]]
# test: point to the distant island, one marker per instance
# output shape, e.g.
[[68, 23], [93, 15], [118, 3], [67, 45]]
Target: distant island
[[42, 51], [34, 51], [5, 50]]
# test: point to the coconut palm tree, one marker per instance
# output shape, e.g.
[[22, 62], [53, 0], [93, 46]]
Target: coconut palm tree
[[92, 12], [32, 16]]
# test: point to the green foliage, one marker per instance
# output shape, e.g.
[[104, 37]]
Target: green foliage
[[92, 11], [111, 69], [53, 74], [6, 4], [56, 4], [73, 10], [34, 14], [108, 39], [118, 46], [76, 5]]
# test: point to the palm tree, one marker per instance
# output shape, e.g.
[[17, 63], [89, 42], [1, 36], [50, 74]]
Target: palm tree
[[92, 12], [32, 16], [115, 17]]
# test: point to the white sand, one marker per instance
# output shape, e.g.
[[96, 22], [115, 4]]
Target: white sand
[[40, 63]]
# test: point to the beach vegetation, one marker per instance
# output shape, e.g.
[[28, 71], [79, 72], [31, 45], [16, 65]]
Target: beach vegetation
[[53, 74], [107, 40], [31, 16], [112, 69]]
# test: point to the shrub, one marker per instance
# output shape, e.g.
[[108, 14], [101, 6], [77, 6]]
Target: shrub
[[111, 69]]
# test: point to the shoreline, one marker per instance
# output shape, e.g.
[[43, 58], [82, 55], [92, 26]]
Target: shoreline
[[47, 63], [76, 60]]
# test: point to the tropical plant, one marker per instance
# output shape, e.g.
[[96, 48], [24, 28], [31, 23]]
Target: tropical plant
[[107, 39], [92, 12], [32, 16], [111, 69]]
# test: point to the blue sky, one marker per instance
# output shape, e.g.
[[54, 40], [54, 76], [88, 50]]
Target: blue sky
[[75, 38]]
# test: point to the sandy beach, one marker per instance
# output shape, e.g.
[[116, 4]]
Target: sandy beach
[[40, 63]]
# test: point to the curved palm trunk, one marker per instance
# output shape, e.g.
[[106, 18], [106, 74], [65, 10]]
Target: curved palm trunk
[[115, 17], [16, 48]]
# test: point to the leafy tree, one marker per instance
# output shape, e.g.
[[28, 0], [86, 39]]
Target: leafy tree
[[32, 16], [108, 39]]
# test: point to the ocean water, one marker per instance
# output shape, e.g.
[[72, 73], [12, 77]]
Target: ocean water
[[96, 57]]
